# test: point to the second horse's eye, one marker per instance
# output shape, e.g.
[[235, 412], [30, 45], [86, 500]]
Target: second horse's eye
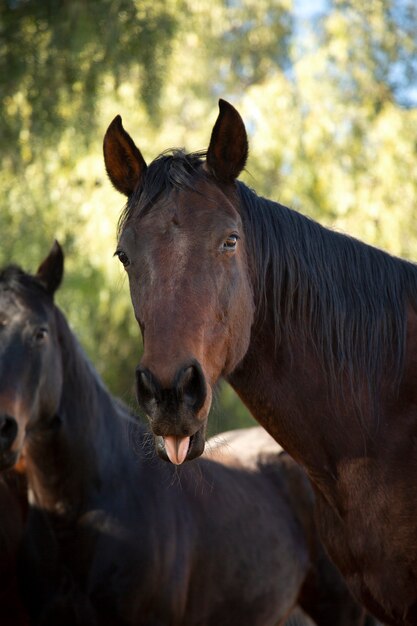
[[123, 258], [230, 243], [40, 334]]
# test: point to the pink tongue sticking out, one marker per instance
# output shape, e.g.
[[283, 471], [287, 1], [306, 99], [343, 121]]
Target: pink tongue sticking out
[[176, 448]]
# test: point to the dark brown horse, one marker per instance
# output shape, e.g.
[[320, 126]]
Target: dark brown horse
[[116, 536], [316, 331]]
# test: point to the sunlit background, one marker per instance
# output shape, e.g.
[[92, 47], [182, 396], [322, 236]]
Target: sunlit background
[[328, 92]]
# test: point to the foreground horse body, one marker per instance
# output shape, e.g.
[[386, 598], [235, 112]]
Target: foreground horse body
[[115, 536], [317, 333]]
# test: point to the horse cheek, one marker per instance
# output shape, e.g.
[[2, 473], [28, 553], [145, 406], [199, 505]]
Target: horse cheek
[[241, 315]]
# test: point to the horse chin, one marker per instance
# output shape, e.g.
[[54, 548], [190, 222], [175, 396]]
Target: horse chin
[[177, 450]]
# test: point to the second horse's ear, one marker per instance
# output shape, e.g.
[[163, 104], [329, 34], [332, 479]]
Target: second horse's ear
[[51, 270], [228, 149], [124, 162]]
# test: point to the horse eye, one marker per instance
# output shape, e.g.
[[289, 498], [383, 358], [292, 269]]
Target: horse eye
[[40, 334], [230, 243], [123, 258]]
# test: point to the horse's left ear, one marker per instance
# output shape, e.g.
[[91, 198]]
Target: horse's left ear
[[228, 149], [51, 270]]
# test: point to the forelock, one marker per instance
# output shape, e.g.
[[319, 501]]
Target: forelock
[[173, 169]]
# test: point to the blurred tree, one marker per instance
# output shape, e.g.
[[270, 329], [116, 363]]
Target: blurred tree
[[333, 137], [54, 57], [377, 38]]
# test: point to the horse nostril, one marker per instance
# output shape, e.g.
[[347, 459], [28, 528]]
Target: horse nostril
[[8, 431], [146, 386], [188, 390], [191, 386], [185, 379]]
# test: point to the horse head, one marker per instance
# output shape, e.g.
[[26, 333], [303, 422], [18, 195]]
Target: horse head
[[182, 244], [30, 373]]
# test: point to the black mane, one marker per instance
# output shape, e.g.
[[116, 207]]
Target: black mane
[[349, 297], [110, 424]]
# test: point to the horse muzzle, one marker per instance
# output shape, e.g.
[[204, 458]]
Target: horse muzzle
[[176, 412]]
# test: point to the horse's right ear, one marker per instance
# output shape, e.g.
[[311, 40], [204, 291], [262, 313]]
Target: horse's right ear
[[51, 270], [228, 149], [124, 162]]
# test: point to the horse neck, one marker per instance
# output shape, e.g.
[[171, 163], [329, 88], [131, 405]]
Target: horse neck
[[329, 331], [70, 457]]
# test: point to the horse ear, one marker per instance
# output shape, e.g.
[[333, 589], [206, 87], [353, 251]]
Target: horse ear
[[51, 270], [228, 149], [124, 162]]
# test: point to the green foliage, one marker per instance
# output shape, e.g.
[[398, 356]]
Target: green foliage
[[56, 56], [327, 105], [346, 154]]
